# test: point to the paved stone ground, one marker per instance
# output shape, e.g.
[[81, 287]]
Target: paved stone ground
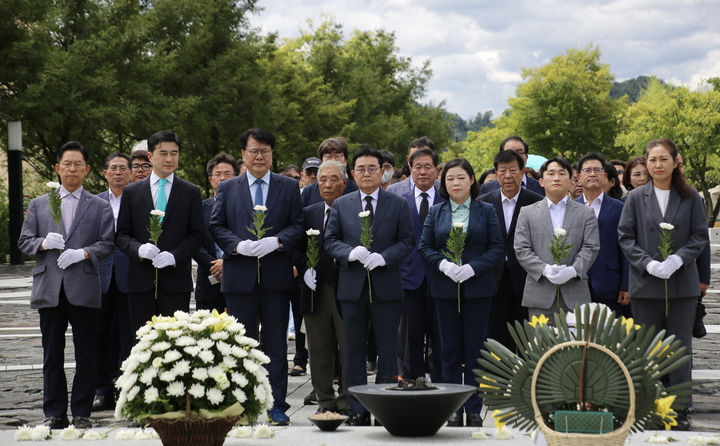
[[21, 390]]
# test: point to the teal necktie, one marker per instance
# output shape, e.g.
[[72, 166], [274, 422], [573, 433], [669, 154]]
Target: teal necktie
[[161, 197]]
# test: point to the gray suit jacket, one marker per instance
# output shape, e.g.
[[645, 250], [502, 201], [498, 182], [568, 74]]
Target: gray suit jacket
[[533, 235], [92, 229], [639, 238]]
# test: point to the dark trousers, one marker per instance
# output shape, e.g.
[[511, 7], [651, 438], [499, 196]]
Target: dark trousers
[[679, 322], [53, 324], [143, 306], [421, 325], [506, 307], [612, 302], [114, 338], [271, 309], [215, 303], [325, 335], [385, 317], [463, 335], [301, 352]]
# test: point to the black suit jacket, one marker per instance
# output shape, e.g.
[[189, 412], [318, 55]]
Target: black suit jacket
[[182, 235], [533, 185], [311, 194], [206, 254], [525, 198], [326, 270]]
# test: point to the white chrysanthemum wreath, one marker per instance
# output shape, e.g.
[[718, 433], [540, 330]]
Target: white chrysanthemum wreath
[[203, 355]]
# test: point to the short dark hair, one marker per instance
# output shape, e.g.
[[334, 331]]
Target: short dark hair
[[73, 145], [423, 152], [556, 159], [162, 136], [334, 144], [508, 156], [139, 154], [258, 134], [222, 157], [387, 157], [290, 168], [591, 156], [485, 175], [421, 142], [365, 150], [114, 155], [612, 174], [514, 138], [618, 163], [631, 164], [465, 165]]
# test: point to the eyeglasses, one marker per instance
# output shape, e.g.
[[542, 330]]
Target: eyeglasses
[[333, 156], [595, 170], [254, 153], [223, 174], [117, 168], [518, 151], [144, 166], [371, 170], [419, 167], [68, 165]]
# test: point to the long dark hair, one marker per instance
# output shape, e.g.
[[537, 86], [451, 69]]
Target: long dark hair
[[465, 165], [632, 162], [678, 180]]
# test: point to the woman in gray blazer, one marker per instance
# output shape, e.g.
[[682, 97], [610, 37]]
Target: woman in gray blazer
[[667, 198]]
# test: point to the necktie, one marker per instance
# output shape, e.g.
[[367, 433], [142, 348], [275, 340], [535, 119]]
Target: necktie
[[327, 217], [161, 197], [258, 192], [368, 207], [424, 206]]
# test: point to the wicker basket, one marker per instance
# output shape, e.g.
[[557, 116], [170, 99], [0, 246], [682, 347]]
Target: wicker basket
[[193, 431], [555, 438]]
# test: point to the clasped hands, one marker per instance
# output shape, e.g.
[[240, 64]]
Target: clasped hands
[[54, 240], [456, 273], [257, 248], [666, 268], [559, 274], [370, 260], [160, 259]]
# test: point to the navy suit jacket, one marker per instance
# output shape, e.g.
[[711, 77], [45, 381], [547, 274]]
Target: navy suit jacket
[[414, 270], [525, 198], [483, 250], [118, 260], [393, 238], [609, 273], [182, 235], [533, 185], [232, 216], [203, 290], [311, 194]]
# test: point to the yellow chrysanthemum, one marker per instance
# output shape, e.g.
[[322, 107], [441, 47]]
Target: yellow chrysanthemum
[[663, 409], [629, 324], [542, 320]]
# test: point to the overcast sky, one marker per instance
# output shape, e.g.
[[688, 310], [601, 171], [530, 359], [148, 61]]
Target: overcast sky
[[477, 48]]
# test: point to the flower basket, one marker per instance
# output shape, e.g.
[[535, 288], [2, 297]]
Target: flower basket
[[555, 438]]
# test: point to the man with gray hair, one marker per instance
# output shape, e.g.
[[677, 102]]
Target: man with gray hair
[[325, 331]]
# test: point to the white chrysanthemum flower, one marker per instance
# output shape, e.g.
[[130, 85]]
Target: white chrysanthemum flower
[[181, 368], [223, 347], [148, 374], [458, 225], [504, 433], [131, 364], [192, 350], [200, 374], [40, 432], [184, 341], [132, 393], [667, 226], [215, 396], [24, 433], [70, 433], [151, 395], [167, 376], [146, 434], [163, 326], [260, 356], [92, 435], [160, 346], [125, 434], [260, 208], [250, 365], [560, 232], [172, 334], [239, 395], [238, 351], [220, 335], [235, 327], [222, 381], [151, 336], [260, 373], [53, 185], [269, 400], [215, 370], [129, 381], [181, 316], [196, 327], [140, 347], [197, 390], [264, 431], [260, 393], [244, 340], [242, 432], [172, 355], [658, 439], [157, 362], [206, 356], [229, 362], [142, 331], [176, 388], [364, 214], [157, 212], [479, 435], [205, 343], [312, 232], [239, 379], [143, 357]]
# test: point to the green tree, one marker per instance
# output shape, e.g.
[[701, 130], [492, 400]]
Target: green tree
[[691, 119]]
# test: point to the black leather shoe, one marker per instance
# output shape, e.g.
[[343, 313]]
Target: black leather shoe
[[103, 402], [359, 419], [455, 420], [82, 423], [474, 420], [322, 410], [57, 422], [311, 399], [297, 371]]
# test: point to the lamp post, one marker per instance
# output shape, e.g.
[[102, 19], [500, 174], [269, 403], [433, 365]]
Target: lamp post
[[15, 189]]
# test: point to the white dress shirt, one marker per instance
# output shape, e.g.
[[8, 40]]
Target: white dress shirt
[[154, 183], [557, 212], [418, 199], [114, 204], [374, 201], [508, 205], [265, 186], [663, 196], [596, 203]]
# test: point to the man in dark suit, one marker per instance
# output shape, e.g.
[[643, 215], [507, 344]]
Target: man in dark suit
[[335, 148], [418, 309], [517, 145], [66, 287], [114, 338], [393, 240], [608, 275], [405, 186], [262, 270], [209, 257], [506, 306], [182, 234], [325, 329]]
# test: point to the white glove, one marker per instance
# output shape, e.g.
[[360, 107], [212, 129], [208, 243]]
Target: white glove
[[562, 275], [550, 271], [310, 278], [373, 260], [69, 257], [448, 268], [670, 265], [358, 253], [148, 251], [264, 246], [163, 259], [245, 248], [464, 273], [653, 268], [53, 240]]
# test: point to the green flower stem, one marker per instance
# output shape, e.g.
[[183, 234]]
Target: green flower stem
[[258, 274], [369, 284], [156, 282], [666, 299], [458, 297]]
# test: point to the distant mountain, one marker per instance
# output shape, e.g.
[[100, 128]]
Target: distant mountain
[[631, 87], [461, 126]]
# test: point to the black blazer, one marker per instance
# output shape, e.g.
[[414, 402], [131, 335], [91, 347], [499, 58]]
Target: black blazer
[[203, 290], [182, 235], [311, 194], [533, 185], [326, 270], [525, 198]]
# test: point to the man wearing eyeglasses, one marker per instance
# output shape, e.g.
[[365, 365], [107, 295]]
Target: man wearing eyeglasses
[[517, 145], [608, 275], [140, 164], [262, 270], [210, 257], [335, 148]]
